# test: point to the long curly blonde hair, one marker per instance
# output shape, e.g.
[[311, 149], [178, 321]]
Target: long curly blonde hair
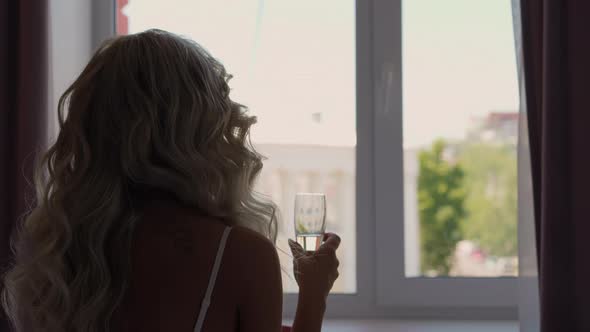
[[151, 111]]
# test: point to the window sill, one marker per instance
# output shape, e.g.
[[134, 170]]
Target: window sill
[[337, 325]]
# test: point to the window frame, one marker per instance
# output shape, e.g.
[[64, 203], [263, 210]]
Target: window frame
[[496, 295], [383, 291], [104, 21]]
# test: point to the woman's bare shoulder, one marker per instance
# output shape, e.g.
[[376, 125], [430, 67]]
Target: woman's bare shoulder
[[251, 253], [247, 241], [254, 261]]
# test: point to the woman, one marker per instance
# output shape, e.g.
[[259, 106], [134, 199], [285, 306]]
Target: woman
[[146, 219]]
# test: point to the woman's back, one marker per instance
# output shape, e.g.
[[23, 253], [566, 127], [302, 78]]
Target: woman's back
[[173, 255], [151, 113]]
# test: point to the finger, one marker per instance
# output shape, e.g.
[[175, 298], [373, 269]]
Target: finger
[[332, 242], [329, 259], [331, 237], [296, 249]]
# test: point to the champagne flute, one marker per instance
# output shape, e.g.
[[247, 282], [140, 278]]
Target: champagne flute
[[310, 219]]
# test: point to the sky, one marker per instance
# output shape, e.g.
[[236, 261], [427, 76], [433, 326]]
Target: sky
[[459, 64], [293, 62]]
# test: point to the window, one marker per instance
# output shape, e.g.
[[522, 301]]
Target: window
[[460, 123], [301, 88], [449, 239], [404, 112]]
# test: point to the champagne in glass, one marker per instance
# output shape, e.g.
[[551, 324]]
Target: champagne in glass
[[310, 220]]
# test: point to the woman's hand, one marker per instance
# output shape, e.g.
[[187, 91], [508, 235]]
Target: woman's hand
[[316, 271]]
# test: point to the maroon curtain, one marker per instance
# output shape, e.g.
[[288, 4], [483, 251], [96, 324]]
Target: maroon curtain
[[23, 108], [556, 49]]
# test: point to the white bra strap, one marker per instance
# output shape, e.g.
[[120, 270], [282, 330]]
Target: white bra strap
[[212, 278]]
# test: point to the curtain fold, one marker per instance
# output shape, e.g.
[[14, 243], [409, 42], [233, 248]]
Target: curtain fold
[[528, 280], [23, 109], [556, 50]]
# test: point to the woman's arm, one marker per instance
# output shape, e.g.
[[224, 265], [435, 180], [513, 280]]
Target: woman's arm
[[315, 273], [261, 301], [310, 313]]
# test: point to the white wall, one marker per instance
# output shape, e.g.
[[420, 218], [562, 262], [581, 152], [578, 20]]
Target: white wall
[[69, 48]]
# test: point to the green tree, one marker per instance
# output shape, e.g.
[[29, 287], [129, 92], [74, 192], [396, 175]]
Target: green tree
[[491, 204], [441, 200]]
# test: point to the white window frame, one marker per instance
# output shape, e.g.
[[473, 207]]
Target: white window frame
[[383, 290], [393, 287]]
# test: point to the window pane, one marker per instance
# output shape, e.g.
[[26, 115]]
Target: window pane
[[460, 100], [293, 64]]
